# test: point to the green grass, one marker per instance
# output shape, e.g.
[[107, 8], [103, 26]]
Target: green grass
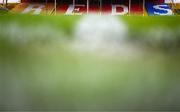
[[41, 72], [134, 22]]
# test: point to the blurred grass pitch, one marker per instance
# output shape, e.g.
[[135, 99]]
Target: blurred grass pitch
[[40, 71]]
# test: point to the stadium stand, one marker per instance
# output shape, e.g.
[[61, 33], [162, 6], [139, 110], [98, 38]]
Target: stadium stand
[[114, 7]]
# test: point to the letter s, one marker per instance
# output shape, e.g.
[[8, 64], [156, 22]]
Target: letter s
[[162, 10]]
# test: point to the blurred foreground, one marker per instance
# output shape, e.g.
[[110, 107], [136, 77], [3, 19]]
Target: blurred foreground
[[89, 63]]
